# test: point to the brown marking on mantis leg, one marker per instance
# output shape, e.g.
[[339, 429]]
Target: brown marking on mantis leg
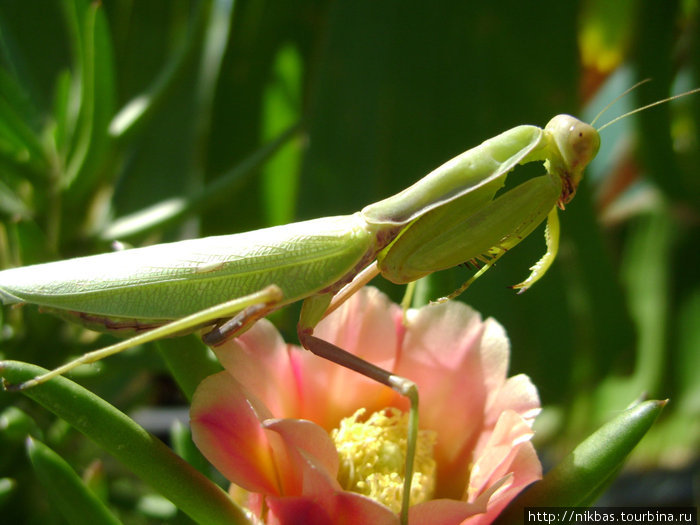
[[238, 324]]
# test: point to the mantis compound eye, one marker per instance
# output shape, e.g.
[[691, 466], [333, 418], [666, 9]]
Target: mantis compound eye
[[583, 142]]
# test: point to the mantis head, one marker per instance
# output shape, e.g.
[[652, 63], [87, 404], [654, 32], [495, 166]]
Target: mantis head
[[577, 143]]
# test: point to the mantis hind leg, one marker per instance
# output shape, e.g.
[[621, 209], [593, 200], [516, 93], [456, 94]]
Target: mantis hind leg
[[313, 310], [239, 323], [270, 296]]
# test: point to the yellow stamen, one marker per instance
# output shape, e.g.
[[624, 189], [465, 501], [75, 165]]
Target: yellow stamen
[[373, 456]]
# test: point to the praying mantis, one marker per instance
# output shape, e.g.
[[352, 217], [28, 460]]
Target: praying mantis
[[222, 285]]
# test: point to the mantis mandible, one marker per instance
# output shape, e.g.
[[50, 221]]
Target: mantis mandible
[[450, 217]]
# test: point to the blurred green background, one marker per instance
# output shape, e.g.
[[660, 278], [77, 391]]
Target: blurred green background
[[158, 120]]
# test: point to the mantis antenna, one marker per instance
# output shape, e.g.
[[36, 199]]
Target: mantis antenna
[[621, 95], [662, 101]]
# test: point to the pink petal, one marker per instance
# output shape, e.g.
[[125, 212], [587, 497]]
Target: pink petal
[[455, 359], [282, 457], [260, 360], [439, 336], [363, 326], [226, 428], [343, 508], [518, 394], [526, 469], [443, 512], [495, 354], [496, 459], [312, 455]]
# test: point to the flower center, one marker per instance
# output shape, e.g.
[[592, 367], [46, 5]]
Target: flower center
[[373, 457]]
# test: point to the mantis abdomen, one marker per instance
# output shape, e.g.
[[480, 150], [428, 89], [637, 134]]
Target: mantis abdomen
[[169, 281]]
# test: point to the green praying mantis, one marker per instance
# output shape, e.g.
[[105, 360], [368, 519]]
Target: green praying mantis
[[222, 285]]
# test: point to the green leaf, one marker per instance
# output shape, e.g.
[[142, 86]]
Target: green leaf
[[646, 275], [585, 471], [16, 425], [181, 439], [220, 190], [95, 64], [15, 118], [139, 110], [140, 451], [156, 507], [65, 489], [11, 204], [282, 108], [60, 112]]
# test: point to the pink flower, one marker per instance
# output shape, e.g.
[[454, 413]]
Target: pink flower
[[265, 421]]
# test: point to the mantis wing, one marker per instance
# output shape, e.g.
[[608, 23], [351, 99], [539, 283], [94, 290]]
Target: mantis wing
[[172, 280]]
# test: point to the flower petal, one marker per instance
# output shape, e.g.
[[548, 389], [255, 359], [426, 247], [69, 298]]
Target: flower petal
[[342, 508], [518, 394], [263, 363], [363, 326], [226, 428], [312, 456], [495, 354], [443, 512], [508, 452], [526, 469], [455, 359]]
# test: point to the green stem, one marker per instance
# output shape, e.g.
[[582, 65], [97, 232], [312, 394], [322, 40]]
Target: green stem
[[143, 453]]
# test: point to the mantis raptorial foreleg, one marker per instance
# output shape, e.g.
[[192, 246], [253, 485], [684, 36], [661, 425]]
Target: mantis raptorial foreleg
[[551, 235], [522, 208]]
